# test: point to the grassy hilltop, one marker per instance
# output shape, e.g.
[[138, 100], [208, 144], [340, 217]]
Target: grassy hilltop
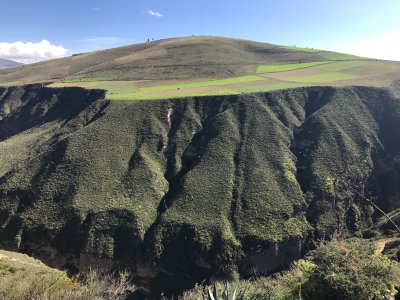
[[189, 188]]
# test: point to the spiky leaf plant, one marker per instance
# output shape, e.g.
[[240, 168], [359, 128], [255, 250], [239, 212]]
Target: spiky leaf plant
[[213, 295]]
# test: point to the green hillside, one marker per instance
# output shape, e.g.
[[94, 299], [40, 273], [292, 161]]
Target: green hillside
[[175, 58], [186, 189], [253, 155]]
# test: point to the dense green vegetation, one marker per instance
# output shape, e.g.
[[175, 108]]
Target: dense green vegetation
[[244, 183], [351, 270], [347, 269]]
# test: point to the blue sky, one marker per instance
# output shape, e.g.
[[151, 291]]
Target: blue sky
[[369, 28]]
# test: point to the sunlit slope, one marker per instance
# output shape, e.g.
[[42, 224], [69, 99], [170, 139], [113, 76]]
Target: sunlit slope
[[23, 277], [176, 58], [266, 78], [200, 66]]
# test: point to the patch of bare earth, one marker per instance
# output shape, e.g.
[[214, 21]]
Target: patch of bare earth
[[380, 244], [141, 55]]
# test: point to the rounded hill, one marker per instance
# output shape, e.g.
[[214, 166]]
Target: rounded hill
[[174, 58]]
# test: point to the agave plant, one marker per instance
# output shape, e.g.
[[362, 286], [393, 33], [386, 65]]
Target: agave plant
[[212, 295]]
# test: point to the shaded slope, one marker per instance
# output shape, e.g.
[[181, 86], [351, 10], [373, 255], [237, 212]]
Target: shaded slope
[[185, 189], [341, 148]]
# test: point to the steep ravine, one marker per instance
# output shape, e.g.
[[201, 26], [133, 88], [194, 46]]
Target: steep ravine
[[184, 190]]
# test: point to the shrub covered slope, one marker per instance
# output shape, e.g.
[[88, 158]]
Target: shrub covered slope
[[181, 190]]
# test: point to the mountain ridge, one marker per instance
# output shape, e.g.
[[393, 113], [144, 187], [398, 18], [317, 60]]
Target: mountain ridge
[[7, 63]]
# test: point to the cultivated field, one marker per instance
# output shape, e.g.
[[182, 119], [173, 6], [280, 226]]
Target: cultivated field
[[266, 78]]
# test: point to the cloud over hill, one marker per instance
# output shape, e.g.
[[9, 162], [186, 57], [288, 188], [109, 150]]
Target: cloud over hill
[[28, 52]]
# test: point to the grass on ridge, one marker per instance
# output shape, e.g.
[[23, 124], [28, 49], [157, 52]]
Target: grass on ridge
[[11, 83], [331, 55], [288, 67], [86, 79], [272, 87], [343, 65], [303, 49], [338, 56], [142, 96], [113, 87]]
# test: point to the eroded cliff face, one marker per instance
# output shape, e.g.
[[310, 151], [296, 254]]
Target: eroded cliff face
[[183, 190]]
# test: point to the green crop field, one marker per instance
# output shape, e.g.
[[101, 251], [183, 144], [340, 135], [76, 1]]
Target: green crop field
[[88, 79], [199, 88], [183, 94], [226, 81], [267, 78], [143, 96], [323, 78], [289, 67]]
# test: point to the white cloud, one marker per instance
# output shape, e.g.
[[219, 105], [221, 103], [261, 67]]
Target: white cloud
[[386, 46], [31, 52], [154, 13]]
